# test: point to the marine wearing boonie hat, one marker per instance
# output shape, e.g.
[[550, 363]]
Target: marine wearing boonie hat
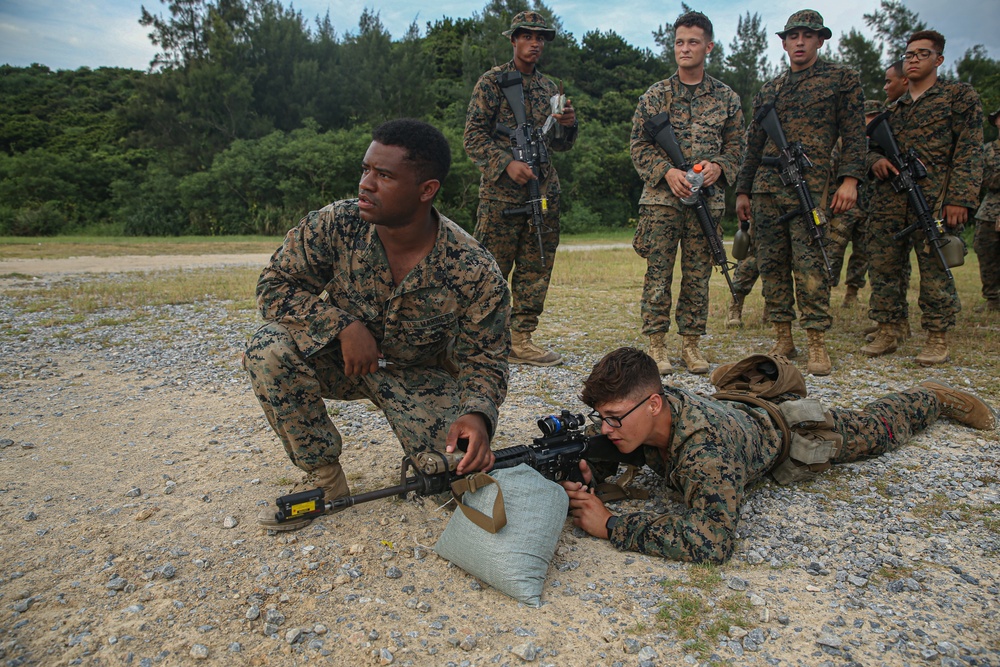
[[530, 21], [809, 19]]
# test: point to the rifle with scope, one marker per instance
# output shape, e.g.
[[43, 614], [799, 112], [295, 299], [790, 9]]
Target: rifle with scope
[[792, 164], [659, 129], [910, 170], [556, 455], [528, 146]]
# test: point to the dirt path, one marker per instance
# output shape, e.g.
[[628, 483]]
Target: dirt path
[[75, 265]]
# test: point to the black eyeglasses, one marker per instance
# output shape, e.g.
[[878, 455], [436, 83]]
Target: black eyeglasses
[[919, 54], [616, 422]]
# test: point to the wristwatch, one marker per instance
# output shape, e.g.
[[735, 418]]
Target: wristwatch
[[612, 522]]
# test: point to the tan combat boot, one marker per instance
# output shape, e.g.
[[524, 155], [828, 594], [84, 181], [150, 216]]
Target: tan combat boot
[[989, 306], [851, 297], [734, 319], [329, 477], [884, 341], [784, 345], [819, 360], [870, 331], [692, 356], [658, 351], [935, 350], [523, 351], [962, 406]]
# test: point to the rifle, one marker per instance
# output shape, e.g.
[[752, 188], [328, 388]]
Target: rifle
[[662, 132], [556, 454], [527, 146], [911, 170], [792, 163]]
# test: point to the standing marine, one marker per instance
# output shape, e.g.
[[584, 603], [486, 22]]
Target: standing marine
[[942, 121], [816, 102], [708, 121], [987, 240], [504, 182]]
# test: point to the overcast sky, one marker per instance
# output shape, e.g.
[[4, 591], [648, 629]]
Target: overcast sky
[[67, 34]]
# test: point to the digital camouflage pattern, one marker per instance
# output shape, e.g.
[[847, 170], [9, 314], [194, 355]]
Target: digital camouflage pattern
[[513, 244], [442, 331], [816, 107], [490, 151], [709, 126], [849, 227], [720, 448], [512, 239], [987, 240], [661, 229], [945, 127]]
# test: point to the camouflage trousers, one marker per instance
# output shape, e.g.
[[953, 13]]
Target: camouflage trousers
[[885, 424], [420, 406], [790, 263], [987, 246], [513, 242], [938, 299], [661, 229], [746, 274], [847, 228]]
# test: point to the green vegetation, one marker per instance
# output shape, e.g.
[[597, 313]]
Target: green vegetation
[[251, 115]]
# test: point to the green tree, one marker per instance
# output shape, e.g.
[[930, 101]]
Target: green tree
[[893, 23], [861, 54], [983, 73], [747, 64]]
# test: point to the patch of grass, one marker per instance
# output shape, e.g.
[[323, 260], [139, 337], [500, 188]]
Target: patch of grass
[[142, 290], [683, 614], [14, 247], [16, 276], [638, 629], [886, 573], [283, 481]]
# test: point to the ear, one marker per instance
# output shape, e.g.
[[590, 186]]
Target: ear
[[656, 404], [429, 189], [708, 49]]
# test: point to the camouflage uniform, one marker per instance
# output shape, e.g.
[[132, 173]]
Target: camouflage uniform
[[815, 106], [442, 332], [512, 240], [719, 449], [987, 241], [945, 126], [709, 126], [849, 227]]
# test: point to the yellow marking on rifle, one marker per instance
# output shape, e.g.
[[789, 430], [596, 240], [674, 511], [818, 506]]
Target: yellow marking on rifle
[[303, 508]]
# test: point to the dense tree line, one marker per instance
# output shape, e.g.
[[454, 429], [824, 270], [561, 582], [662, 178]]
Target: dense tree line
[[251, 115]]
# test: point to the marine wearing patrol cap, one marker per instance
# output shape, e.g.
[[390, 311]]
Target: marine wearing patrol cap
[[531, 21], [809, 19]]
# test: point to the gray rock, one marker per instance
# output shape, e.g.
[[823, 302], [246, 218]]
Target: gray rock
[[253, 613], [394, 572], [116, 584], [385, 657], [737, 584], [647, 653], [631, 646], [526, 652], [199, 652], [293, 635], [830, 640], [230, 522], [134, 492]]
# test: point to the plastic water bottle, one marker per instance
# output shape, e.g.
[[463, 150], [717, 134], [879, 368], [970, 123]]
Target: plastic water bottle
[[695, 179]]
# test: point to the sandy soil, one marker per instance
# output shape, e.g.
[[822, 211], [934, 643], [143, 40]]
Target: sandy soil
[[129, 493]]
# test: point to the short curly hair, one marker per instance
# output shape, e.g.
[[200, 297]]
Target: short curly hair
[[425, 146], [625, 372]]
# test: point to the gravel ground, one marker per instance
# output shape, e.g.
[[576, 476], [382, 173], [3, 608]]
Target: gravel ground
[[135, 458]]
